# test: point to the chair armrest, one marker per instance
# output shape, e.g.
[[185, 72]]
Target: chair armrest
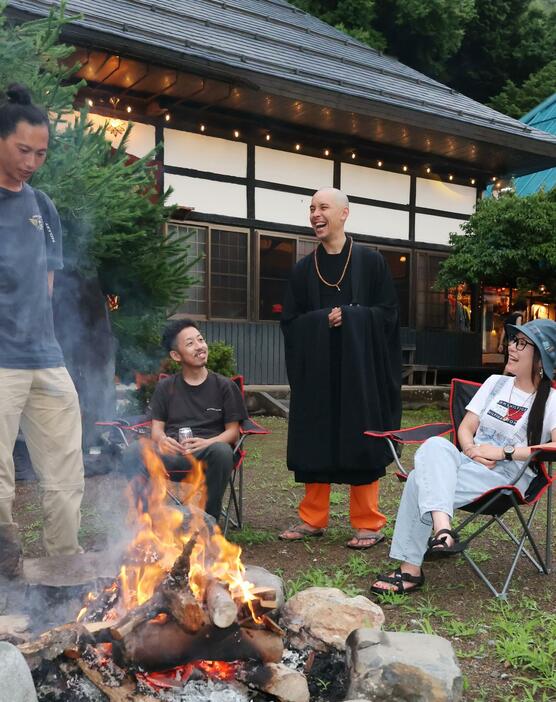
[[544, 453], [249, 427], [413, 435]]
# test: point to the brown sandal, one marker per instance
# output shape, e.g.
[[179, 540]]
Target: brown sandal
[[360, 542], [299, 532]]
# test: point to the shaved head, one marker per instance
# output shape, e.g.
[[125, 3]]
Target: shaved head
[[339, 197], [328, 212]]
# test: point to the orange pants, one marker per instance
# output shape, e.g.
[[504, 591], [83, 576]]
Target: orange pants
[[363, 506]]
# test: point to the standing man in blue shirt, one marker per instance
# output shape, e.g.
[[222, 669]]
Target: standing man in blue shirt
[[36, 391]]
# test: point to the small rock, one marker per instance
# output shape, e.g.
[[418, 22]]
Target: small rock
[[16, 683], [402, 667], [321, 618]]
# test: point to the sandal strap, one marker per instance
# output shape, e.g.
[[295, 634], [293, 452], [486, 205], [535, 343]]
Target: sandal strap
[[398, 578], [437, 539]]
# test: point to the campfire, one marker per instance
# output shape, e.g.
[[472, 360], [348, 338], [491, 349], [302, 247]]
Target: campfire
[[182, 607]]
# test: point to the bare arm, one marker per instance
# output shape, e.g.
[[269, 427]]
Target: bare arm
[[50, 282]]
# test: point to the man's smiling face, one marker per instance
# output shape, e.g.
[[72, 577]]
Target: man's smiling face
[[328, 214]]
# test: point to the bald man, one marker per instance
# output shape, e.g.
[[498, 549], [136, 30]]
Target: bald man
[[343, 357]]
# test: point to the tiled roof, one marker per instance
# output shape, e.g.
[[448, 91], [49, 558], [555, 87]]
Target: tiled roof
[[541, 117], [272, 38]]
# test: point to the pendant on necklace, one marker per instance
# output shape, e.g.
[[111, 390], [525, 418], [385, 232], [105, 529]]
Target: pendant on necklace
[[338, 288]]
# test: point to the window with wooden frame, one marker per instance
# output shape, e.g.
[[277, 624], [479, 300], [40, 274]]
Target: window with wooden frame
[[221, 286]]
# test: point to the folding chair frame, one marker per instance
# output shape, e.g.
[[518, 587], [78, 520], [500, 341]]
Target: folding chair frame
[[232, 513], [494, 503]]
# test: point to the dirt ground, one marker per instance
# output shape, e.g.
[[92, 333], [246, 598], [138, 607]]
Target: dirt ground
[[487, 636]]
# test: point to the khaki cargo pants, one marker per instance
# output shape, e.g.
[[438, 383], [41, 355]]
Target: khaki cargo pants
[[45, 404]]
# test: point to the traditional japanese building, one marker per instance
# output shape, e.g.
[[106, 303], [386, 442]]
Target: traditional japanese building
[[256, 104]]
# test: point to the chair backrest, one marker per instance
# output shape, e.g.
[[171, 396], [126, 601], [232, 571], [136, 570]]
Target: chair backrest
[[461, 393]]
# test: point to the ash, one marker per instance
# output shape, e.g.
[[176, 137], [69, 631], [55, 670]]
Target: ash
[[296, 660], [207, 691]]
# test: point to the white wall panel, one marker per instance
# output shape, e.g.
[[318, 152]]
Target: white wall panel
[[207, 196], [377, 221], [140, 142], [204, 153], [435, 230], [286, 208], [375, 184], [293, 169], [449, 197]]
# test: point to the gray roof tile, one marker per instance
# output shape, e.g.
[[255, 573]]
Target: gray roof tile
[[273, 38]]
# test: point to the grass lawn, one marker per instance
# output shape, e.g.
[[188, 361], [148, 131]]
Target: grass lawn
[[507, 651]]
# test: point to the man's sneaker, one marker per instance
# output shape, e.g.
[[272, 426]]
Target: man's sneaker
[[11, 553]]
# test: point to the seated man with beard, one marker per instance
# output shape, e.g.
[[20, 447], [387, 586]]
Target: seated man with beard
[[210, 404]]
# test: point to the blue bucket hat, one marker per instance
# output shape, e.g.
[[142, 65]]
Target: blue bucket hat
[[542, 333]]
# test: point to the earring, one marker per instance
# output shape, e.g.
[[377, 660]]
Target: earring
[[541, 372]]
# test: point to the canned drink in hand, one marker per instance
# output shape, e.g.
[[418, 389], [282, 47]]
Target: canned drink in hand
[[184, 433]]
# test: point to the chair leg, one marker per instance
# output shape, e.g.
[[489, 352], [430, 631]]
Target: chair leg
[[549, 498]]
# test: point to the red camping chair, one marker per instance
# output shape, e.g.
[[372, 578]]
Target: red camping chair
[[492, 504], [120, 433]]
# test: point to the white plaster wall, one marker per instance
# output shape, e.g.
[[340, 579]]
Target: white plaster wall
[[293, 168], [375, 184], [207, 196], [204, 153], [140, 142], [286, 208], [438, 195], [435, 230], [378, 221]]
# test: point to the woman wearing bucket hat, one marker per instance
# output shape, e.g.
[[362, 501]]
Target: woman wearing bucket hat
[[508, 414]]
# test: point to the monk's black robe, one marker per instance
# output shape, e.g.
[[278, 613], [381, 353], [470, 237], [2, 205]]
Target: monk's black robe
[[343, 380]]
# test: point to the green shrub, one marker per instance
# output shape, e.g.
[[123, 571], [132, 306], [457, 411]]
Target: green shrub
[[221, 359]]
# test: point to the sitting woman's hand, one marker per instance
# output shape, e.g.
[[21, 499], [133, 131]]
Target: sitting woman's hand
[[487, 454]]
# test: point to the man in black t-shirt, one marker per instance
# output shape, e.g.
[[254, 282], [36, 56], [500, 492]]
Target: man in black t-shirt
[[210, 404]]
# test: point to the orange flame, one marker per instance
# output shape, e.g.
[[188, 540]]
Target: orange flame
[[161, 536]]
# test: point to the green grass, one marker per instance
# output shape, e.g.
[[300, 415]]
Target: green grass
[[250, 536]]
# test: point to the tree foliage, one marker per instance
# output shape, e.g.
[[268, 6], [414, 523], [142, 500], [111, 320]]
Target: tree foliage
[[111, 213], [509, 241], [516, 101], [355, 17], [506, 40], [473, 46], [424, 35]]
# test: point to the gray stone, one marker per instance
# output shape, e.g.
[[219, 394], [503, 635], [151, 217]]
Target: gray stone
[[402, 667], [16, 683], [260, 577], [66, 571], [279, 681], [321, 618]]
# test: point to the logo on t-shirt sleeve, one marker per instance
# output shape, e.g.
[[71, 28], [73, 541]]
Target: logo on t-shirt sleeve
[[36, 221]]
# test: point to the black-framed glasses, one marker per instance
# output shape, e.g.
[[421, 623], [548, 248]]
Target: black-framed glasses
[[520, 342]]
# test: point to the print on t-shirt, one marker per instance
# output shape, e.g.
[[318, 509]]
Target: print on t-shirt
[[512, 412]]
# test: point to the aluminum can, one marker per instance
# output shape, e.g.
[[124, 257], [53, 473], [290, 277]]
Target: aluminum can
[[184, 433]]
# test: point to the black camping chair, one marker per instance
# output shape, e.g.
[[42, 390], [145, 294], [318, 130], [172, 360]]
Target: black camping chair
[[492, 504], [120, 433]]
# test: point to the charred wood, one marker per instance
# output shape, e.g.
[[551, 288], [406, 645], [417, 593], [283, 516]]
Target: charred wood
[[51, 644], [158, 646]]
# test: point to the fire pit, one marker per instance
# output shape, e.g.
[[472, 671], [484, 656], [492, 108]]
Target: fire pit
[[182, 608]]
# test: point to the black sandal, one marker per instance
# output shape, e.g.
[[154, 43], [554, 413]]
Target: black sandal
[[398, 579], [438, 548]]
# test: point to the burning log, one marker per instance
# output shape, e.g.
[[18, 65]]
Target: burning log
[[221, 607], [51, 644], [159, 646]]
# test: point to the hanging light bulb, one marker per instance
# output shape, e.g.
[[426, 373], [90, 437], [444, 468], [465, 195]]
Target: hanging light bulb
[[327, 152], [428, 169], [267, 137], [202, 127], [128, 109], [236, 133], [379, 164], [298, 147], [450, 177], [353, 156], [167, 116], [404, 169]]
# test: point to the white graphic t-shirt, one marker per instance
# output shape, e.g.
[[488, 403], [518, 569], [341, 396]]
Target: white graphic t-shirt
[[504, 410]]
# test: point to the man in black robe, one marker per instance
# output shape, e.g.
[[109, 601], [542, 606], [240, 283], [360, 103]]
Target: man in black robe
[[343, 356]]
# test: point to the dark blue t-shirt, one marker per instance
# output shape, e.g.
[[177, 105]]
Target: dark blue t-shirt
[[28, 250]]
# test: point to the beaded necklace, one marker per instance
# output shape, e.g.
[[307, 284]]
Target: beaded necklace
[[337, 284]]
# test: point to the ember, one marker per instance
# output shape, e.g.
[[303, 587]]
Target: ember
[[180, 607]]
